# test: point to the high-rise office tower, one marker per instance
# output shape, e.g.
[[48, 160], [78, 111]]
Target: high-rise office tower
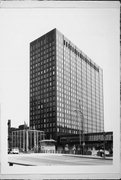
[[66, 87]]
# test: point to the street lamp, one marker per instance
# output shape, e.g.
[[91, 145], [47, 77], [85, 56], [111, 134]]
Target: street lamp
[[81, 128], [80, 137]]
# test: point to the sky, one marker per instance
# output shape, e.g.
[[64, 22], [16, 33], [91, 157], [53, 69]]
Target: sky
[[94, 31]]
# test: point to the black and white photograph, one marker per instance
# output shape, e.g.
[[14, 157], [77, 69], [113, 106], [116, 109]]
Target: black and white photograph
[[60, 90]]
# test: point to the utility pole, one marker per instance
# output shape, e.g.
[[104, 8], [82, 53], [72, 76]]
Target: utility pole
[[80, 137], [81, 127]]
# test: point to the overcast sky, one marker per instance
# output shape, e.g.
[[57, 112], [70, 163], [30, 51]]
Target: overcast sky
[[94, 31]]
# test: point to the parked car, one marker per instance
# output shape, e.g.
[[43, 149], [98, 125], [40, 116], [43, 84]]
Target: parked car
[[15, 151], [101, 153]]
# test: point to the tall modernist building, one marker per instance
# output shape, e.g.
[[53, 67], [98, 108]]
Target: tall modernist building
[[66, 87]]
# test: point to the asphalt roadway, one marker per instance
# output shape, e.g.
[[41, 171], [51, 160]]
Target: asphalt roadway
[[38, 159]]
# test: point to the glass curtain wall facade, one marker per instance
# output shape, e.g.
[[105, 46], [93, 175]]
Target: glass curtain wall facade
[[63, 81], [43, 84]]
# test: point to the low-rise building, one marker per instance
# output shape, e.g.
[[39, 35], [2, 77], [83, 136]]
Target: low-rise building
[[24, 138], [27, 140]]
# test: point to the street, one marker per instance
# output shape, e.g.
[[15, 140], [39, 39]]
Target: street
[[38, 159]]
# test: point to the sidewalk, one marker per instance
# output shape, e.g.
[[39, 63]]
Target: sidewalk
[[89, 156]]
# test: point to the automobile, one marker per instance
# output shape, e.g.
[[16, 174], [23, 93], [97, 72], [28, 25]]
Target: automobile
[[15, 151], [101, 153]]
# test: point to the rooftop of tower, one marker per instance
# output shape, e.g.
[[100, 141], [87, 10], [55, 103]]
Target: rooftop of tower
[[76, 49]]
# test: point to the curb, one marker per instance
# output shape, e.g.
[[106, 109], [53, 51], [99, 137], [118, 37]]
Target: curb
[[91, 157], [22, 164]]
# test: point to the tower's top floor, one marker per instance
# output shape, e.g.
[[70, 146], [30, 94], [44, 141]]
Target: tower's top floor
[[52, 36]]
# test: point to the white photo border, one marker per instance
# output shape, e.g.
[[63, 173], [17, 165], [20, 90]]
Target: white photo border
[[104, 172]]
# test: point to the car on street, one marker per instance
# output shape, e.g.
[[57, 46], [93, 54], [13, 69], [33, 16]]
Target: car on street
[[15, 151], [102, 152]]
